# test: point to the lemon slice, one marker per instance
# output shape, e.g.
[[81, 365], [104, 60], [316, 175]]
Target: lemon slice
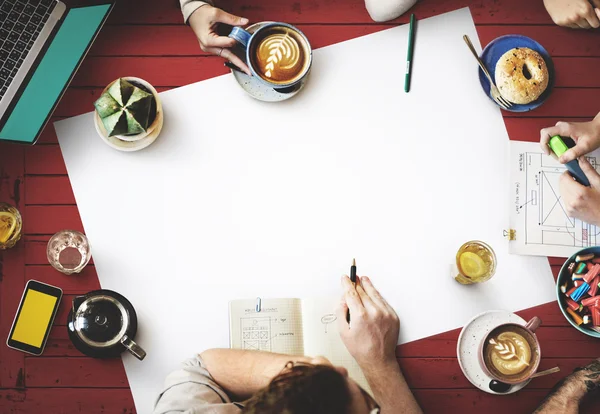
[[7, 226], [472, 265]]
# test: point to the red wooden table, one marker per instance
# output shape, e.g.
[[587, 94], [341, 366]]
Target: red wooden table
[[146, 38]]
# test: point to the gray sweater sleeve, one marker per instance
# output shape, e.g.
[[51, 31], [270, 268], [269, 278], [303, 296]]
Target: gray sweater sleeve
[[190, 6]]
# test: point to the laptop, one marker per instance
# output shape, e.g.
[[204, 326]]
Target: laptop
[[42, 43]]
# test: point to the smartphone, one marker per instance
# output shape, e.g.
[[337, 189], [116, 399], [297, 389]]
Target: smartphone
[[30, 329]]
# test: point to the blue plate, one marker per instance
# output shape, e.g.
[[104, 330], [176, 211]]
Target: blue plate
[[499, 46], [565, 275]]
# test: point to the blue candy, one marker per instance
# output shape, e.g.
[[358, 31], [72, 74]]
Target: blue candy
[[580, 291]]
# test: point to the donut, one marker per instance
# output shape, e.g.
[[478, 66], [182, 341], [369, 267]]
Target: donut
[[521, 75]]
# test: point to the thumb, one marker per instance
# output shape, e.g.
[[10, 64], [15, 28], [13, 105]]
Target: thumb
[[579, 150], [230, 19], [597, 9], [590, 172]]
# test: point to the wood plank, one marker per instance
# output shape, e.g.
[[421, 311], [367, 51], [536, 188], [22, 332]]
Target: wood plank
[[528, 129], [35, 248], [438, 373], [75, 372], [179, 40], [475, 401], [45, 159], [564, 103], [144, 40], [84, 282], [556, 342], [570, 72], [12, 264], [50, 219], [67, 401], [558, 41], [337, 11], [42, 189], [59, 344]]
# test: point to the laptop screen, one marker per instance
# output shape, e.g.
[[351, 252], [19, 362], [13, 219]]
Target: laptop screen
[[54, 71]]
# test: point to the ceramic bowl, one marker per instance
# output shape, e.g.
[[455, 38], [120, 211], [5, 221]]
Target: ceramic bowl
[[138, 141], [565, 275]]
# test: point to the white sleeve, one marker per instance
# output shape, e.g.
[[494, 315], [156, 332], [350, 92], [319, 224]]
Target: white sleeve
[[190, 6]]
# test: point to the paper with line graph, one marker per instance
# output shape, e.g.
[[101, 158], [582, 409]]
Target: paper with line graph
[[537, 212]]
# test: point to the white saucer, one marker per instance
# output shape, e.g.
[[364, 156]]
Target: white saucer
[[468, 344], [254, 87]]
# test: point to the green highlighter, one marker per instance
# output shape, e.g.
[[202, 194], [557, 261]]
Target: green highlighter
[[559, 146]]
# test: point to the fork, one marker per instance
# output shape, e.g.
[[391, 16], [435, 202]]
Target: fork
[[496, 95]]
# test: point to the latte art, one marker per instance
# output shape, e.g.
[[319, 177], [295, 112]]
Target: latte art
[[509, 353], [280, 56]]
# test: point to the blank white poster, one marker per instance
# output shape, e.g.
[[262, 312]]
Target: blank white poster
[[239, 198]]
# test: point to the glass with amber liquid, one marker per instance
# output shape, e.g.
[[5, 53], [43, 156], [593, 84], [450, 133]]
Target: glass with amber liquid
[[10, 226], [476, 262]]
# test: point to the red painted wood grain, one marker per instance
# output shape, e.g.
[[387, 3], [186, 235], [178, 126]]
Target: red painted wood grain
[[179, 40], [67, 401], [12, 265], [148, 40], [337, 11]]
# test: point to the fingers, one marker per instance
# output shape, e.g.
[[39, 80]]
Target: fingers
[[591, 18], [561, 128], [577, 151], [228, 18], [351, 297], [597, 10], [374, 294], [589, 171], [365, 299], [229, 55], [219, 41]]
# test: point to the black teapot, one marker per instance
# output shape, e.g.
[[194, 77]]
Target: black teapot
[[103, 324]]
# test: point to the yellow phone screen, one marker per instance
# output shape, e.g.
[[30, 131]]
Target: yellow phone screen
[[34, 317]]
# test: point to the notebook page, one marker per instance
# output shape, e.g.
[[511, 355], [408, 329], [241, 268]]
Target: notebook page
[[276, 328], [321, 337]]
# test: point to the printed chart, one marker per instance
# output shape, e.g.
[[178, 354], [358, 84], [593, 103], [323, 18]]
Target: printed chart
[[538, 212]]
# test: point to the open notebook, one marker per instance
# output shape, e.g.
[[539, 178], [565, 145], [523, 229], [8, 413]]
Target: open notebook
[[292, 326]]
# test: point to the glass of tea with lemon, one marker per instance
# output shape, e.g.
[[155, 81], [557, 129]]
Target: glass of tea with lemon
[[476, 262], [10, 226]]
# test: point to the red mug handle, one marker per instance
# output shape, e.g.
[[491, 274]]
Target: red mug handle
[[533, 324]]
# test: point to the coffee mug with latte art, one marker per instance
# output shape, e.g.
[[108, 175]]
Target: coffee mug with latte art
[[511, 352], [278, 54]]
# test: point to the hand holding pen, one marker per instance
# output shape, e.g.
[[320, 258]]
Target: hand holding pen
[[372, 335]]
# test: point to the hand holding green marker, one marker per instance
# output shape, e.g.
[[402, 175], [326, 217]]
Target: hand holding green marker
[[559, 147]]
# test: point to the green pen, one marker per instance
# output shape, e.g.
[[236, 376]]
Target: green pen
[[409, 56]]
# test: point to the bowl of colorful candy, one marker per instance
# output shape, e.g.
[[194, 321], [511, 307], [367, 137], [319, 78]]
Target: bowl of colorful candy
[[578, 291]]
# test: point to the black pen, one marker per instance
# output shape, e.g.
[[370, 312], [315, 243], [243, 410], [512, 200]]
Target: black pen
[[233, 67], [353, 280]]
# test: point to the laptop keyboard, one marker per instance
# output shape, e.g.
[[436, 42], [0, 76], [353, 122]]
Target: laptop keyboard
[[20, 24]]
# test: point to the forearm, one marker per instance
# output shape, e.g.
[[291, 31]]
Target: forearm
[[242, 373], [391, 390]]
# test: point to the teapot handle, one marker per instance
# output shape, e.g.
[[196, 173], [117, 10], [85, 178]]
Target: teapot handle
[[132, 347]]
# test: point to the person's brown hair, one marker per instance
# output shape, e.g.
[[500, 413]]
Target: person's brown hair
[[302, 389]]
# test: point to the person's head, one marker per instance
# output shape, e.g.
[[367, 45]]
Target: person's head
[[315, 388]]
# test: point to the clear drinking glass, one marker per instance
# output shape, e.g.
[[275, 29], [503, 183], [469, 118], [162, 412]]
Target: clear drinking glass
[[68, 251], [475, 262], [10, 226]]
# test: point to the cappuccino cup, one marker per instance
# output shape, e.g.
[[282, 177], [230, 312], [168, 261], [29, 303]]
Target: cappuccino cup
[[511, 353], [278, 54]]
